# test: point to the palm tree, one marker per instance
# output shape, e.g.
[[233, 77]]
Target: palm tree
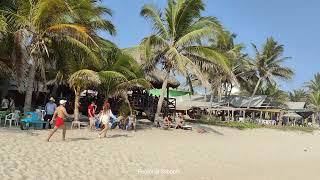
[[267, 64], [80, 81], [314, 84], [275, 95], [220, 79], [39, 25], [298, 95], [314, 104], [176, 43], [117, 74], [118, 77]]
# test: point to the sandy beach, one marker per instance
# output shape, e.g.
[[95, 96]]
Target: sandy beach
[[221, 154]]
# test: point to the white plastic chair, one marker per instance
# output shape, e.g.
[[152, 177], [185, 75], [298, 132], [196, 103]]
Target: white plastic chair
[[43, 113], [12, 117]]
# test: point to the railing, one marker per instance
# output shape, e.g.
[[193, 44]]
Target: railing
[[148, 104]]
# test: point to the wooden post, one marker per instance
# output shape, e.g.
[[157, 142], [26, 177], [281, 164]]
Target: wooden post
[[313, 120], [232, 115], [261, 114], [228, 113], [244, 114], [167, 101]]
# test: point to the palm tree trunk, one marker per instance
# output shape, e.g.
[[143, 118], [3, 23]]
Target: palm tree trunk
[[29, 89], [225, 89], [219, 93], [205, 94], [163, 90], [126, 99], [254, 92], [211, 96], [76, 105], [190, 84]]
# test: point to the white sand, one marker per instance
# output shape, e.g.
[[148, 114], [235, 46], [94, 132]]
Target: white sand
[[222, 155]]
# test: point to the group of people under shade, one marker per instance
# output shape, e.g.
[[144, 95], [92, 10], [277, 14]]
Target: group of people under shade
[[101, 121]]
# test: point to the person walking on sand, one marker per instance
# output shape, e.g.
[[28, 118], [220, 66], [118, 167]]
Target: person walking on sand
[[105, 116], [91, 115], [59, 115]]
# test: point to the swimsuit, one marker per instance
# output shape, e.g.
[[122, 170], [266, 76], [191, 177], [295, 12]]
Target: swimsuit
[[59, 121]]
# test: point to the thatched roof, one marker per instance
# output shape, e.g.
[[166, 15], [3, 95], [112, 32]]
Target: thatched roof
[[295, 105], [156, 76]]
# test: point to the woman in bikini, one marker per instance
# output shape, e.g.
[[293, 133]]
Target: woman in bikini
[[59, 115]]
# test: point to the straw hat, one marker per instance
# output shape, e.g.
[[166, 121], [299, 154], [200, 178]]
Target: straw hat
[[52, 99], [62, 101]]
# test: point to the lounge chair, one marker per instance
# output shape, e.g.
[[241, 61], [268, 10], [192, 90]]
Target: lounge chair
[[187, 127]]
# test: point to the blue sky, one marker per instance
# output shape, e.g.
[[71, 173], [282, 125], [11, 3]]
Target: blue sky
[[294, 23]]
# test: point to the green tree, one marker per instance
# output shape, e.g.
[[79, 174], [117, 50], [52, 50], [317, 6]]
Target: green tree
[[176, 43], [267, 66], [314, 84], [314, 104], [80, 81], [39, 25], [298, 95]]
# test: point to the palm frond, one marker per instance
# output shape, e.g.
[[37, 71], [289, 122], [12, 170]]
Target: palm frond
[[84, 79], [154, 15]]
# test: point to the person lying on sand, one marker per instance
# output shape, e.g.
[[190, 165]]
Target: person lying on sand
[[59, 115]]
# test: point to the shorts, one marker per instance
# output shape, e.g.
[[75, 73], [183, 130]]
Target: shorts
[[59, 122]]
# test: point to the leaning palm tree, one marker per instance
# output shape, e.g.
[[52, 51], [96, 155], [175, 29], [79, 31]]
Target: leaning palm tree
[[80, 81], [37, 25], [267, 64], [314, 84], [176, 44]]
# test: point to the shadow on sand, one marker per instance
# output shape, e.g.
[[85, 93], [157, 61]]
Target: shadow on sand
[[119, 135], [79, 139], [207, 129]]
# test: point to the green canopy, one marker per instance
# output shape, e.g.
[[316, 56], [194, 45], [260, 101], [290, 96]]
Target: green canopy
[[172, 92]]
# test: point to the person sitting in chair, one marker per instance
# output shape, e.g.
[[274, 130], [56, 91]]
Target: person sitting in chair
[[123, 121], [167, 121], [180, 121]]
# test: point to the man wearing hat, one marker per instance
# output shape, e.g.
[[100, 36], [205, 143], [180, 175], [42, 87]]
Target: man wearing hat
[[59, 116], [50, 109]]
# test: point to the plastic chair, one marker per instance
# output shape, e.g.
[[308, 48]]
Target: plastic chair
[[11, 117], [77, 123]]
